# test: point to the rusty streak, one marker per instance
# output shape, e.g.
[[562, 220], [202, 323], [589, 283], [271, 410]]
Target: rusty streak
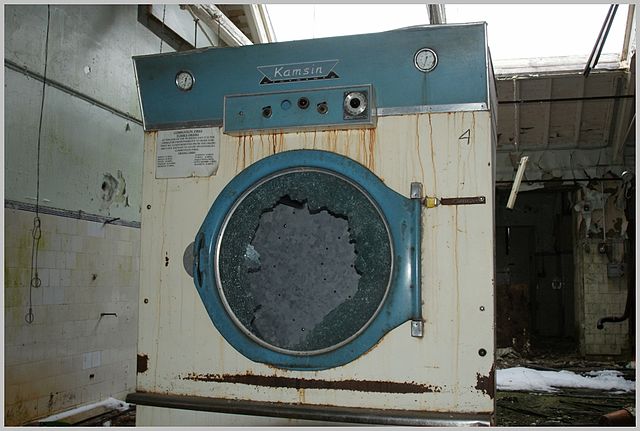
[[487, 384], [289, 382]]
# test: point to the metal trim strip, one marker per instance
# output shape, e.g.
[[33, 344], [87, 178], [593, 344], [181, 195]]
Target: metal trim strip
[[311, 412], [183, 125], [378, 112], [57, 85], [424, 109], [78, 215], [135, 74]]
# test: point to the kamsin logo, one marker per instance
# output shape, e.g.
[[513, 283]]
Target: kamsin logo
[[278, 73]]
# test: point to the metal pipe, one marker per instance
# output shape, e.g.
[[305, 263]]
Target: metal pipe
[[437, 14], [213, 17], [311, 412], [606, 26], [78, 215], [568, 99], [561, 180]]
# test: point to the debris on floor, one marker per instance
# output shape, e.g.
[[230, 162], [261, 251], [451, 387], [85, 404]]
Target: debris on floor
[[580, 407], [109, 412], [547, 388]]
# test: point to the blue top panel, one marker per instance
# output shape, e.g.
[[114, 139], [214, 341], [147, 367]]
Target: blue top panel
[[385, 60]]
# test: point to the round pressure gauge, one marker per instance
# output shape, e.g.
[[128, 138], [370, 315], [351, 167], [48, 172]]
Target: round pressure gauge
[[425, 60], [184, 80]]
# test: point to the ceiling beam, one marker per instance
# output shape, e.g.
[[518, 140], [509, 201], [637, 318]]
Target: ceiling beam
[[628, 35], [213, 17], [259, 23], [160, 29]]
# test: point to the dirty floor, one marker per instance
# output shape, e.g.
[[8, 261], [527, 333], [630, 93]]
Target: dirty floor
[[567, 407]]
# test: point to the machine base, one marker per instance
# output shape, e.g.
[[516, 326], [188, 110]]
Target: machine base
[[311, 412]]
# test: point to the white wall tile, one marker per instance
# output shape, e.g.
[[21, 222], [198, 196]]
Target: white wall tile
[[95, 359], [86, 360], [96, 230], [70, 260], [77, 244], [52, 353]]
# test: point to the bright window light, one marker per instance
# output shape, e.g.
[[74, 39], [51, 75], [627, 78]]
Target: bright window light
[[515, 30], [543, 30]]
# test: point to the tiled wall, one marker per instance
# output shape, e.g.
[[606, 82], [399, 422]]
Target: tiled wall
[[69, 355], [599, 293], [603, 296]]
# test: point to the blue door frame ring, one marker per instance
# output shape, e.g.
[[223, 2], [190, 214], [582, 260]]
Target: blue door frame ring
[[371, 266]]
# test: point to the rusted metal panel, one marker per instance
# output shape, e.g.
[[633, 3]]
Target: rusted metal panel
[[302, 383], [487, 384]]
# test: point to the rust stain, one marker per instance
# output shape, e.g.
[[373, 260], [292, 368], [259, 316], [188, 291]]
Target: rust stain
[[142, 363], [250, 149], [361, 148], [244, 152], [272, 141], [264, 146], [333, 140], [433, 157], [238, 154], [418, 146], [299, 383], [487, 384], [280, 141], [372, 143]]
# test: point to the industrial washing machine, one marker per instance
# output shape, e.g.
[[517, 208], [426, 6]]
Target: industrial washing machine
[[317, 232]]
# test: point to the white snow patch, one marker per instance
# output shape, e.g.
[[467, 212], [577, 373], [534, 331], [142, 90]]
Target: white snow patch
[[111, 403], [526, 379]]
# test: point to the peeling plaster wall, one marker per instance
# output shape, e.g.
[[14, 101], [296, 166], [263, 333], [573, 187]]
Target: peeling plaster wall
[[90, 49], [601, 244], [90, 169]]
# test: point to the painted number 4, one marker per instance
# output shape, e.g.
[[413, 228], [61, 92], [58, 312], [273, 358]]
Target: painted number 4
[[466, 136]]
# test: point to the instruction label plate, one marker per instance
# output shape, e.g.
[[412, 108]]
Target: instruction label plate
[[187, 153]]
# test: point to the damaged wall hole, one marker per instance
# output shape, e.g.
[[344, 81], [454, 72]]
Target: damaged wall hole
[[113, 190]]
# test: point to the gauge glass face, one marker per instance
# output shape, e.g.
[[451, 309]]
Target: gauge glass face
[[184, 81], [425, 60]]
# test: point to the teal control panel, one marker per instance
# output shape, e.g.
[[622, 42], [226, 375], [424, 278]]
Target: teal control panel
[[336, 82], [341, 107]]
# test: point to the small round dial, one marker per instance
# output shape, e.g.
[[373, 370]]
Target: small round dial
[[184, 80], [425, 60]]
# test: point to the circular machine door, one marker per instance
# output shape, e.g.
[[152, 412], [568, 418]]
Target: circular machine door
[[306, 259]]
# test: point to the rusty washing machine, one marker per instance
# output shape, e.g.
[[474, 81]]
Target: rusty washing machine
[[317, 232]]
